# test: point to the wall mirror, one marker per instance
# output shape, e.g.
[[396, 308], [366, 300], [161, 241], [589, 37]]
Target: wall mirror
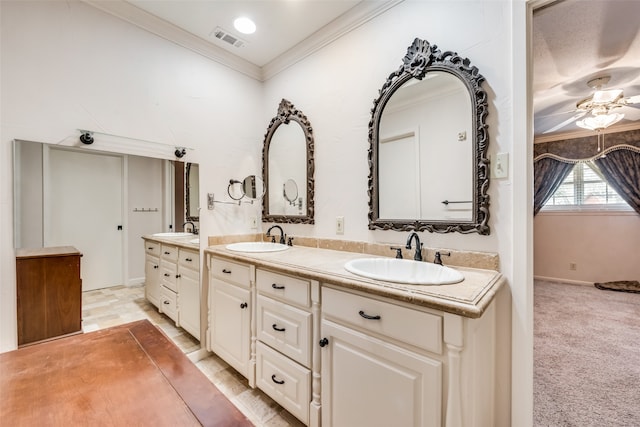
[[192, 192], [287, 168], [428, 138]]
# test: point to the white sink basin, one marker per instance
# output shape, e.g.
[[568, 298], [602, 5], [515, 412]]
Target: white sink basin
[[195, 241], [257, 247], [173, 234], [404, 271]]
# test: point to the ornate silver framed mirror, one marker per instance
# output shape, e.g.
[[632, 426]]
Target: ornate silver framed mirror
[[287, 163], [428, 139]]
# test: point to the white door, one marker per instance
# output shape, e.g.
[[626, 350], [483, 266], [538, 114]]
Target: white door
[[83, 208]]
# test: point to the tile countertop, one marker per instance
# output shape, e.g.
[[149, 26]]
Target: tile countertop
[[182, 242], [468, 298]]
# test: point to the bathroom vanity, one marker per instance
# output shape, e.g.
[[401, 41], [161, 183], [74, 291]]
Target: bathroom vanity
[[172, 279], [336, 349]]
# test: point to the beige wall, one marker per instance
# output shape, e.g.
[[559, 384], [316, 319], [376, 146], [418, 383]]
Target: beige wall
[[604, 246]]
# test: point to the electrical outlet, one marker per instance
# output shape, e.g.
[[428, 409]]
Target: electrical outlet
[[339, 225], [573, 266], [253, 222]]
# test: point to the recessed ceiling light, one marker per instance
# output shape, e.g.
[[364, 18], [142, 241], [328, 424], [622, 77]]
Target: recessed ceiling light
[[245, 25]]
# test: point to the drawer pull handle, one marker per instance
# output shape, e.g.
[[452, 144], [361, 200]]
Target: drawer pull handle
[[167, 253], [167, 275], [243, 305], [150, 248], [366, 316], [324, 342], [155, 266], [225, 271], [275, 328], [166, 302], [188, 259], [274, 286], [273, 378]]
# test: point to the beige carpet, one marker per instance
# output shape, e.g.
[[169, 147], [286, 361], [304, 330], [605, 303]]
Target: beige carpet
[[586, 356]]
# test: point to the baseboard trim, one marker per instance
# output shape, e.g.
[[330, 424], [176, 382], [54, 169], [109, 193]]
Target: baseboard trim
[[137, 281], [198, 355], [569, 281]]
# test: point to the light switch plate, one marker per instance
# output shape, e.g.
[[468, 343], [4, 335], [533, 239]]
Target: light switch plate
[[501, 166]]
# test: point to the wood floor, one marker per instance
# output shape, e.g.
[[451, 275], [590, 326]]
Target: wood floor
[[125, 375]]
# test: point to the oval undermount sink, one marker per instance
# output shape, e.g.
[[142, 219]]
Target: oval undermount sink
[[257, 247], [404, 271], [173, 234], [195, 241]]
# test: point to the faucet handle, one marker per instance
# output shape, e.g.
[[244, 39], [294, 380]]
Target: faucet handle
[[290, 241], [398, 252], [273, 239], [438, 259]]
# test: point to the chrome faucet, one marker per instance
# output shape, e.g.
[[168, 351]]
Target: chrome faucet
[[194, 230], [273, 238], [418, 254]]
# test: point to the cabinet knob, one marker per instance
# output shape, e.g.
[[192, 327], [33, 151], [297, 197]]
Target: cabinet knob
[[167, 253], [167, 275], [225, 271], [155, 266], [243, 305], [274, 286], [368, 317], [166, 302], [188, 259], [177, 276], [324, 342], [275, 328], [273, 378]]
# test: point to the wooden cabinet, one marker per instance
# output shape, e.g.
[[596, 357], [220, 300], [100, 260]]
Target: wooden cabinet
[[49, 291], [189, 291], [230, 314], [152, 272]]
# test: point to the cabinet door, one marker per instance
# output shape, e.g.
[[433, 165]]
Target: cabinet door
[[189, 301], [152, 279], [369, 382], [230, 324]]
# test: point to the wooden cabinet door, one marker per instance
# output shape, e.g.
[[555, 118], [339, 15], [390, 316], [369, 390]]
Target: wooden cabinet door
[[152, 279], [189, 301], [369, 382], [230, 324], [64, 295]]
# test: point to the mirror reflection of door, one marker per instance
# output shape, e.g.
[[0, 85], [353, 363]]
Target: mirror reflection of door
[[83, 207]]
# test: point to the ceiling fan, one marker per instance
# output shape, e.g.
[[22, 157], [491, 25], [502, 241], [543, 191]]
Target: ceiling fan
[[601, 105]]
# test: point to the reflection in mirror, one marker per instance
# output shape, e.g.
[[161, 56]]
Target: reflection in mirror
[[288, 163], [192, 192], [428, 142], [290, 192]]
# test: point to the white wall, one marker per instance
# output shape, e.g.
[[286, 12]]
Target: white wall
[[605, 246], [68, 66], [335, 89]]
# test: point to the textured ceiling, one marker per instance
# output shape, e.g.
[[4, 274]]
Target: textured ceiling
[[575, 41]]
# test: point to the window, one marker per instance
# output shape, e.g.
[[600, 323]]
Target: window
[[585, 188]]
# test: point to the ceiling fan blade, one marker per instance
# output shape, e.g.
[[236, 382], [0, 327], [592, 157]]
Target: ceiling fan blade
[[566, 122], [632, 100]]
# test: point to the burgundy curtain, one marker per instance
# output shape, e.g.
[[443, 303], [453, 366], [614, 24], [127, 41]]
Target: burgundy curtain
[[621, 169], [548, 174]]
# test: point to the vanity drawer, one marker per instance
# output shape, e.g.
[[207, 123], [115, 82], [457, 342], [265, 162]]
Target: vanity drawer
[[285, 328], [404, 324], [168, 272], [285, 288], [230, 271], [169, 303], [284, 381], [169, 252], [189, 259], [152, 248]]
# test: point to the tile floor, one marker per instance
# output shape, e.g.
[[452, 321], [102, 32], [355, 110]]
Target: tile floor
[[108, 307]]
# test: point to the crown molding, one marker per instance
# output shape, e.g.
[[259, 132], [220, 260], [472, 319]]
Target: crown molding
[[583, 133], [143, 19], [352, 19]]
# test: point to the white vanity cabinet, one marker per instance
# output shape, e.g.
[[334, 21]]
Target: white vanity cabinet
[[152, 272], [230, 320], [284, 363], [168, 281], [189, 291], [388, 363]]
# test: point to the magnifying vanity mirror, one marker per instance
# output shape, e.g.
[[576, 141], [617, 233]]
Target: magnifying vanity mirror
[[251, 187], [428, 138], [287, 168]]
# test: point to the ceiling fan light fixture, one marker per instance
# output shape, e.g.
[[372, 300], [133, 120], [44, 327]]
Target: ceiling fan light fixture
[[607, 96], [599, 122]]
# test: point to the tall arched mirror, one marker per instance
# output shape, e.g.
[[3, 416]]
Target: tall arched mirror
[[288, 167], [428, 146]]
